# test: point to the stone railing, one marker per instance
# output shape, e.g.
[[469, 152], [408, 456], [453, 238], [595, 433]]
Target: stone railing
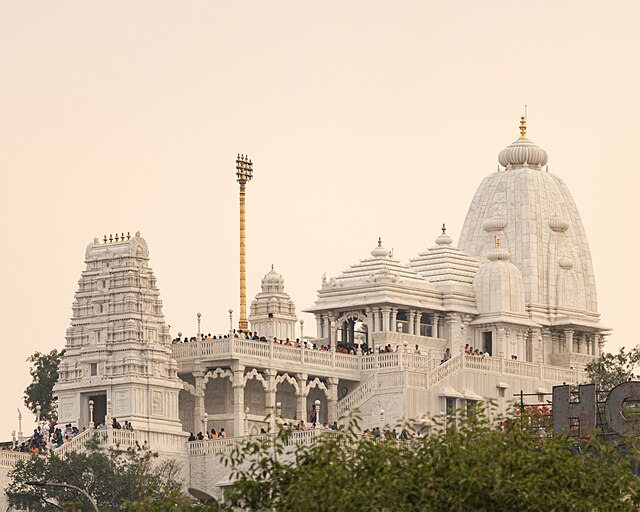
[[75, 444], [230, 347], [9, 459], [496, 365], [220, 446]]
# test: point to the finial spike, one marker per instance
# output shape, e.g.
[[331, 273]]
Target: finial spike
[[272, 266], [497, 243], [379, 241], [105, 239], [444, 229], [523, 128]]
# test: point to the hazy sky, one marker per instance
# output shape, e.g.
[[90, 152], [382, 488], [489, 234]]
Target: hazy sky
[[363, 119]]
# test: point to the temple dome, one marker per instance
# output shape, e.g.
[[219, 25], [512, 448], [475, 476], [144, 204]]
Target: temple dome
[[498, 284], [523, 152], [537, 220], [272, 281], [379, 251]]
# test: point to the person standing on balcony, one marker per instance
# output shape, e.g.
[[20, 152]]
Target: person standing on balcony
[[446, 356]]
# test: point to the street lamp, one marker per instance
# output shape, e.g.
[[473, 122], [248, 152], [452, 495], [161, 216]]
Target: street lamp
[[317, 404], [205, 420], [199, 315], [230, 323], [399, 326], [14, 439], [91, 424], [38, 410], [246, 421], [19, 424], [444, 421], [382, 418], [302, 331]]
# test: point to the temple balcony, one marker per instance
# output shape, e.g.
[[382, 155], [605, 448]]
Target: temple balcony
[[293, 359], [571, 359]]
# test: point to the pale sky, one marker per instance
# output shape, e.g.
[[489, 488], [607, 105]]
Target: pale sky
[[362, 118]]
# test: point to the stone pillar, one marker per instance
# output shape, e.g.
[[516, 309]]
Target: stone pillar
[[452, 334], [434, 322], [538, 345], [376, 319], [394, 319], [332, 401], [301, 397], [271, 398], [198, 408], [500, 342], [319, 326], [568, 340], [326, 332], [600, 345], [238, 400], [412, 322], [385, 318], [334, 332]]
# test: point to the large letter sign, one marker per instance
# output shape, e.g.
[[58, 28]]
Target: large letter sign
[[584, 410]]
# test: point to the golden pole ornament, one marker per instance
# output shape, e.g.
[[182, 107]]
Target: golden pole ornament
[[244, 173]]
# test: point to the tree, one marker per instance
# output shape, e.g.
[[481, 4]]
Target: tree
[[112, 478], [480, 465], [44, 375], [609, 370]]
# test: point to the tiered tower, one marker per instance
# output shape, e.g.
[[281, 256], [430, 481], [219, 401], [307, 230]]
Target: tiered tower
[[273, 313], [118, 350]]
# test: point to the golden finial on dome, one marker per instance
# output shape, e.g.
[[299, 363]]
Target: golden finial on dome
[[523, 128], [444, 229], [379, 241]]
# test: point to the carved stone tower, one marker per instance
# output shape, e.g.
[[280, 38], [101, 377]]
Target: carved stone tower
[[118, 350]]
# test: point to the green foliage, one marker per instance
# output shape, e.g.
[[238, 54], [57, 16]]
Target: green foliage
[[111, 477], [609, 370], [499, 465], [44, 375]]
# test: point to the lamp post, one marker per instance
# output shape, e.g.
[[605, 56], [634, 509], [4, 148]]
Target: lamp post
[[244, 173], [205, 422], [246, 421], [444, 421], [302, 331], [317, 406], [400, 327], [381, 418], [91, 424], [540, 350], [278, 411], [38, 410], [461, 336], [199, 315], [14, 439], [230, 323], [19, 424]]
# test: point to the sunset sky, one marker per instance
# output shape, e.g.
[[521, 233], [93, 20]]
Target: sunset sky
[[363, 119]]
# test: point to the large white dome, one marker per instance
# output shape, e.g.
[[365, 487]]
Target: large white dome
[[538, 222]]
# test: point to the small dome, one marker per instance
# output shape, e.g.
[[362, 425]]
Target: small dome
[[379, 252], [523, 152], [494, 224], [498, 283], [272, 277], [558, 224], [444, 239]]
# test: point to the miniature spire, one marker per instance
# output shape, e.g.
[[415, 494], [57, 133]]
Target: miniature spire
[[379, 241], [444, 229]]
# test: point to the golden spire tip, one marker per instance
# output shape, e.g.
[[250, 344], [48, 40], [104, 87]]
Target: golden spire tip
[[523, 128]]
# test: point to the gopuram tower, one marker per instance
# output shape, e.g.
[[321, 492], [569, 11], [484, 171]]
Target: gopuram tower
[[117, 361]]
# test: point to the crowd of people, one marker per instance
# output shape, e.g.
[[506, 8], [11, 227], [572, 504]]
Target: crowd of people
[[44, 441], [475, 352], [341, 348]]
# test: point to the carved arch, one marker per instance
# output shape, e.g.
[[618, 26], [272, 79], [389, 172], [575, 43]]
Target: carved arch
[[218, 373], [255, 374], [190, 388], [291, 380], [317, 383]]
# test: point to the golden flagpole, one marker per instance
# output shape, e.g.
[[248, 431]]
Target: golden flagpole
[[244, 172]]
